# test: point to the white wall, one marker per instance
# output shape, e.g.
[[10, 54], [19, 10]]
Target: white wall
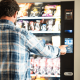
[[77, 41], [76, 33]]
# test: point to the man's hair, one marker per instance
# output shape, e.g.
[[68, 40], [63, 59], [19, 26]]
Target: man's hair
[[8, 8]]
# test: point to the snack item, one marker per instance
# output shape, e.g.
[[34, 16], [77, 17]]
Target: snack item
[[56, 41], [31, 25], [37, 25], [24, 9], [26, 24], [56, 26], [43, 27], [35, 9], [57, 13], [19, 23], [50, 25], [48, 10]]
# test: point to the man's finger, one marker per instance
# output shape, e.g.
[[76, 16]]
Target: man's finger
[[65, 45], [63, 53]]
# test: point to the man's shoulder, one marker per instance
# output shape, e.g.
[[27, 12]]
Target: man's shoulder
[[15, 29], [22, 31]]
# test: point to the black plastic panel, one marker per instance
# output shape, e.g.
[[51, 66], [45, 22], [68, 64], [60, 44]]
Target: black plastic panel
[[67, 61]]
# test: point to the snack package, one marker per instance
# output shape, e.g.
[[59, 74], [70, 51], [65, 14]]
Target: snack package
[[37, 25], [56, 26], [35, 10], [50, 25], [19, 23], [49, 10], [31, 25], [56, 41], [23, 12], [43, 27], [57, 13], [25, 24]]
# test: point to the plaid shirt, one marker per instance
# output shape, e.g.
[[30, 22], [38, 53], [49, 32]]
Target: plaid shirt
[[15, 47]]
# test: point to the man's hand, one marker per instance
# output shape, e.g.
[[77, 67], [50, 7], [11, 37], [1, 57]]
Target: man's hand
[[63, 49]]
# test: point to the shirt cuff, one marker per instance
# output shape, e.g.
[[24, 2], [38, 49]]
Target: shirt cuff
[[58, 55]]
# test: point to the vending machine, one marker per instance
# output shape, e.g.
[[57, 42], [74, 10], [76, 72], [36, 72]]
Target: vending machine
[[52, 23]]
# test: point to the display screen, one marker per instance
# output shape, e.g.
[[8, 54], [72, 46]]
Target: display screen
[[68, 14], [68, 31], [69, 42]]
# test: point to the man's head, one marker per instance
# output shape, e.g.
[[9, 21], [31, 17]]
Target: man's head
[[9, 9]]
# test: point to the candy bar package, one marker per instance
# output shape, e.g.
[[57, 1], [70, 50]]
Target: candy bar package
[[56, 41], [49, 10], [19, 23], [23, 12], [50, 25], [57, 25], [22, 24], [25, 24], [43, 27], [35, 10], [31, 25], [37, 25], [57, 12]]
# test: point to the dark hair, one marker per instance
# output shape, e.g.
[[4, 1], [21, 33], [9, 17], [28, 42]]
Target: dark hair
[[8, 8]]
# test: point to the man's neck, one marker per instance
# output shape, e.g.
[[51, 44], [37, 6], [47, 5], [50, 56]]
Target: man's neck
[[7, 18]]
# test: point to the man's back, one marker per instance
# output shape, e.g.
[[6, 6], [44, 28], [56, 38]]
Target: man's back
[[13, 53], [15, 47]]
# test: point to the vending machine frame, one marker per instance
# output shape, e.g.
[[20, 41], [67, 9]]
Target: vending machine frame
[[67, 32]]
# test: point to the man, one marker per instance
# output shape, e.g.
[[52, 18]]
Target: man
[[16, 45]]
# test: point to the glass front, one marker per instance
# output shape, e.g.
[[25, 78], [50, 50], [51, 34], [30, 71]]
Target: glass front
[[44, 21]]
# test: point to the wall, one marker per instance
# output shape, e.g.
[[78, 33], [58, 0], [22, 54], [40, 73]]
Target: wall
[[77, 41], [76, 33]]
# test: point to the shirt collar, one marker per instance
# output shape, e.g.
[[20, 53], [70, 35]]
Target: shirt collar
[[4, 21]]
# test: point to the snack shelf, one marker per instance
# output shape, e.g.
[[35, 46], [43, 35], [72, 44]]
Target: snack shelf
[[45, 75], [44, 31], [38, 17]]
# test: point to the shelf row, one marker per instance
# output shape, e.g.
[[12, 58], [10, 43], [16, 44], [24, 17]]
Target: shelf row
[[45, 75], [37, 18], [44, 31]]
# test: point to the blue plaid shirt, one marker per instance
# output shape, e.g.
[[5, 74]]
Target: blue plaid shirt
[[15, 47]]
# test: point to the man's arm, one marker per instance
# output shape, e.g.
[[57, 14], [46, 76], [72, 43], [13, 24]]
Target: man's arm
[[37, 47]]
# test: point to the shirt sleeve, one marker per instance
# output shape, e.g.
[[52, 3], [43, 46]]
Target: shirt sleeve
[[40, 48]]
